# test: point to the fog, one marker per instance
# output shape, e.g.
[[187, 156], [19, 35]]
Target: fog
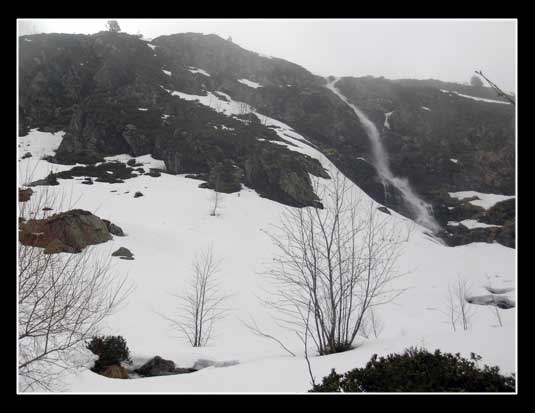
[[446, 49]]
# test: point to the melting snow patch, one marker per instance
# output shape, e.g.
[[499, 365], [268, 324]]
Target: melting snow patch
[[474, 97], [387, 116], [142, 109], [472, 223], [28, 40], [454, 160], [485, 201], [165, 116], [152, 46], [167, 72], [250, 83], [426, 108], [197, 70]]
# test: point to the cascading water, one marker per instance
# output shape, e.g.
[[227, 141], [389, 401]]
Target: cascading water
[[419, 208]]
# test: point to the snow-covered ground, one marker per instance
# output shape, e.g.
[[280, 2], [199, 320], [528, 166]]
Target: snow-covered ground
[[474, 97], [485, 201], [197, 70], [172, 222], [250, 83]]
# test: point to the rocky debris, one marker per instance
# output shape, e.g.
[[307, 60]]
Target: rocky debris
[[69, 231], [203, 363], [500, 213], [114, 229], [133, 163], [138, 194], [460, 235], [25, 194], [384, 209], [500, 301], [110, 172], [47, 209], [26, 155], [123, 253], [155, 173], [87, 181], [115, 372], [49, 180]]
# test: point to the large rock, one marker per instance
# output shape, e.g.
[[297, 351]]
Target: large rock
[[157, 366], [25, 194], [114, 229], [115, 372], [123, 252], [69, 231]]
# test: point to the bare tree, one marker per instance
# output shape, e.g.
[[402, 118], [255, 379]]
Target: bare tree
[[62, 300], [113, 26], [459, 310], [336, 263], [202, 304]]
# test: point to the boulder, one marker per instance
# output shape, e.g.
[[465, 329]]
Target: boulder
[[26, 155], [123, 252], [114, 229], [157, 366], [49, 180], [138, 194], [71, 231], [115, 372], [25, 194], [225, 177]]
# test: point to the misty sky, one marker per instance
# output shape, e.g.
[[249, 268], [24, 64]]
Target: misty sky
[[448, 50]]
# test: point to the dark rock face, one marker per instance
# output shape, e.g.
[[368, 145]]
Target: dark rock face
[[429, 128], [385, 210], [69, 231], [110, 172], [138, 194], [281, 177], [460, 235]]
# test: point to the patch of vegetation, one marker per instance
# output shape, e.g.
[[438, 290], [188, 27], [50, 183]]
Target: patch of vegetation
[[418, 370], [111, 350]]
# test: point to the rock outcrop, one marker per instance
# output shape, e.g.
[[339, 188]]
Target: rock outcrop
[[69, 231]]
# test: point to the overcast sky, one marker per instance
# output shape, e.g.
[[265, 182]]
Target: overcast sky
[[448, 50]]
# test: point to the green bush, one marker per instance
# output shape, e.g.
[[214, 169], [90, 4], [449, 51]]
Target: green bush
[[417, 370], [110, 350]]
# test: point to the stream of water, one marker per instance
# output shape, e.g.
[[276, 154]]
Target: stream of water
[[419, 208]]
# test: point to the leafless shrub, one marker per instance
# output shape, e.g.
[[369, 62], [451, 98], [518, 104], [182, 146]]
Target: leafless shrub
[[458, 309], [202, 304], [335, 262], [62, 300]]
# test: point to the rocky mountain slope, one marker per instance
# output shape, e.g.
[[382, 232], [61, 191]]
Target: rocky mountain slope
[[114, 93]]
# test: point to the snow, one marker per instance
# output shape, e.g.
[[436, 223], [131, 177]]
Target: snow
[[426, 108], [472, 223], [152, 46], [197, 70], [28, 40], [172, 222], [485, 201], [142, 109], [250, 83], [475, 98], [164, 116], [167, 72], [387, 116], [454, 160]]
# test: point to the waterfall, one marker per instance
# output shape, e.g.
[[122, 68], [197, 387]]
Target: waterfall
[[419, 208]]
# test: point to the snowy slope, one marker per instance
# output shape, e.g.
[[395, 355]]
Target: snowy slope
[[172, 222]]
